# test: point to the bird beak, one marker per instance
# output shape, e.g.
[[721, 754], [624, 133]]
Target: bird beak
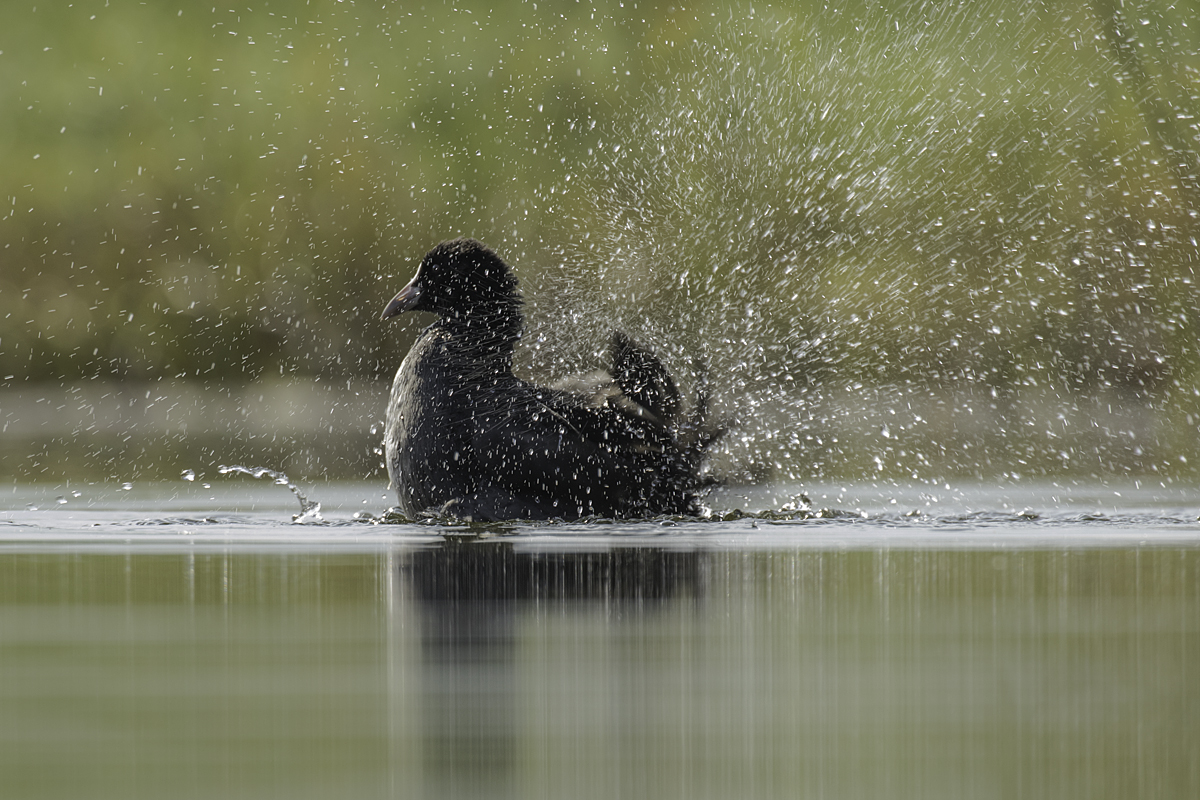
[[405, 301]]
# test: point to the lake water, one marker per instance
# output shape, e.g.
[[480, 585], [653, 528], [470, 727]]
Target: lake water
[[949, 641]]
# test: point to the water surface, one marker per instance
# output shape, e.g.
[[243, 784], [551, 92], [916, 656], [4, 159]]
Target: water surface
[[969, 641]]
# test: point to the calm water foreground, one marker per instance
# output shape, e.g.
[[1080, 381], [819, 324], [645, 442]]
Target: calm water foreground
[[1026, 641]]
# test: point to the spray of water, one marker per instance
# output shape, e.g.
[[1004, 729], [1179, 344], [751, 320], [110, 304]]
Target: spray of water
[[310, 511], [889, 257]]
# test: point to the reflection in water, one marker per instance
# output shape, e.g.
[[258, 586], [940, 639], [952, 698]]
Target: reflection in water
[[477, 668], [472, 594]]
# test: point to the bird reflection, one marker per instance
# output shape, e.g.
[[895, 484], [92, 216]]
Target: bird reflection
[[471, 595]]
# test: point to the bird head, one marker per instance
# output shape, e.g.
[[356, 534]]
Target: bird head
[[461, 277]]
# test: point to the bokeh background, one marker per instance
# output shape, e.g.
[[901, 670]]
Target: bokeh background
[[911, 241]]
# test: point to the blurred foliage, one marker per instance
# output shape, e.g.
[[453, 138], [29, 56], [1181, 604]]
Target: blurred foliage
[[235, 191], [861, 193]]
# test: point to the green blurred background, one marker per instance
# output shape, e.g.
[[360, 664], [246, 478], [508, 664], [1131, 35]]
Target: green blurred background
[[909, 240]]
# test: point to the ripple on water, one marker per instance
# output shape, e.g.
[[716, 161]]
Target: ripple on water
[[254, 514]]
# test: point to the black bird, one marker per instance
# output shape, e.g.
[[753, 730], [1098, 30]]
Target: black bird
[[467, 438]]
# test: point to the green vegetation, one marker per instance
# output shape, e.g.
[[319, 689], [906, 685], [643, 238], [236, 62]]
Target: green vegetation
[[995, 194], [232, 192]]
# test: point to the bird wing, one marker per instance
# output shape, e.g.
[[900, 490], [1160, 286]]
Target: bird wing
[[642, 377], [556, 447]]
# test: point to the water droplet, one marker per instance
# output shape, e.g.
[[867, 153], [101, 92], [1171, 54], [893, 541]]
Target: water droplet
[[126, 486], [189, 475], [62, 501]]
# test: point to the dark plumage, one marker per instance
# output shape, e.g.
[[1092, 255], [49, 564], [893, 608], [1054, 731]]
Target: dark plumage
[[468, 438]]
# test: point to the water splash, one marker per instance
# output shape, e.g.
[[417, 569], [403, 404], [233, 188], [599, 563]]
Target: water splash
[[894, 260], [310, 511]]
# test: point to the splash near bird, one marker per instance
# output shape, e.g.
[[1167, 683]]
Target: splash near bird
[[467, 438]]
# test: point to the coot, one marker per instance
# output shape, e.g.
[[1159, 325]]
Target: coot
[[467, 438]]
